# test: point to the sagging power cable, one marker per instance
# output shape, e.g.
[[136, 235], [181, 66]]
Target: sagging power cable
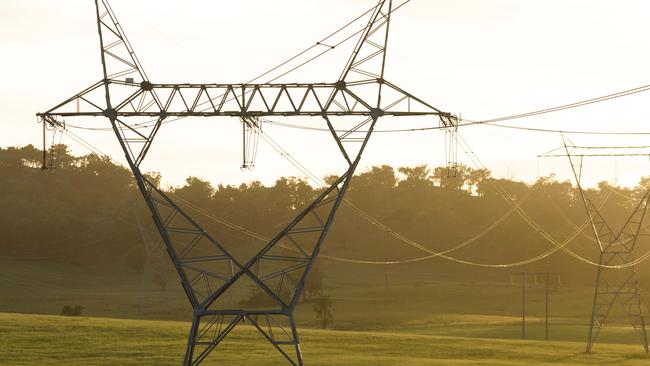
[[532, 223], [432, 253]]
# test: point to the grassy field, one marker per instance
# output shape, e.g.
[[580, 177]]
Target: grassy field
[[383, 316], [54, 340], [408, 297]]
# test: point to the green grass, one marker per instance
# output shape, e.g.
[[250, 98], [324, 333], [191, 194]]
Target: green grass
[[54, 340], [412, 296], [420, 318]]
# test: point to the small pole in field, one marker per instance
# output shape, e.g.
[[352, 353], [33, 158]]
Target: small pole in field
[[546, 320], [523, 306], [547, 277]]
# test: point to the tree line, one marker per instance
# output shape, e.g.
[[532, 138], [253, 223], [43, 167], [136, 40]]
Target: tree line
[[88, 209]]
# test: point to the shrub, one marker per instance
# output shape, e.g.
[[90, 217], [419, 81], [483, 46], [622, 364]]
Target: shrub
[[69, 310]]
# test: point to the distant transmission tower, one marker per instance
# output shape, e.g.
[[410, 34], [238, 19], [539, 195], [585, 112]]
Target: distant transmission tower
[[209, 273], [616, 279]]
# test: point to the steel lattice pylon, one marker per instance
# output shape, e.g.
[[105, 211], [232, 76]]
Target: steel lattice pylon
[[616, 280], [207, 269]]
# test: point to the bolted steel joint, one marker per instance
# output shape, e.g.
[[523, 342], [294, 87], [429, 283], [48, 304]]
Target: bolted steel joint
[[110, 113], [146, 85], [376, 113]]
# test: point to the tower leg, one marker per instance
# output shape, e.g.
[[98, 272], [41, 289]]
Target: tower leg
[[294, 331], [616, 285], [592, 320], [189, 353], [279, 328], [636, 312], [207, 332]]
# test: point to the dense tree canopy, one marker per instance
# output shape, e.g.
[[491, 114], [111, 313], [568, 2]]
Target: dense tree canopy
[[89, 208]]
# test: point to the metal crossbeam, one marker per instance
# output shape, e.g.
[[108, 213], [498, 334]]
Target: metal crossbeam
[[208, 271], [248, 100]]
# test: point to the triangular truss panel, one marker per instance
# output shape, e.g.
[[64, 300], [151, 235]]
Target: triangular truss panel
[[205, 265], [264, 288], [368, 60], [119, 60], [207, 333], [280, 331], [290, 254], [91, 100]]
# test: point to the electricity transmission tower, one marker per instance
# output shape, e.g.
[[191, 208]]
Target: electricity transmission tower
[[208, 270], [616, 279]]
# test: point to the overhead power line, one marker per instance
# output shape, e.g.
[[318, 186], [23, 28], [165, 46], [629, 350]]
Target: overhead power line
[[525, 216], [465, 122], [530, 221], [510, 200], [493, 121], [562, 107], [432, 254], [468, 122]]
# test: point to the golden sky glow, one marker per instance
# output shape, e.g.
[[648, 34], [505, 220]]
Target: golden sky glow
[[479, 59]]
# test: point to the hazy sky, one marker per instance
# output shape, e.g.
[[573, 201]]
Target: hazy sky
[[479, 58]]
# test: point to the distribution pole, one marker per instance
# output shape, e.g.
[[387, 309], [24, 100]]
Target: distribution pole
[[523, 306], [524, 276], [546, 310]]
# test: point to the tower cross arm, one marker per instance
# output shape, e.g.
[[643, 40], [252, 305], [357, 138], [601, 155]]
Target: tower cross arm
[[250, 100]]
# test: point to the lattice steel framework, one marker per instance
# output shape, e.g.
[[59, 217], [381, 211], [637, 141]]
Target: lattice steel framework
[[616, 280], [207, 268]]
